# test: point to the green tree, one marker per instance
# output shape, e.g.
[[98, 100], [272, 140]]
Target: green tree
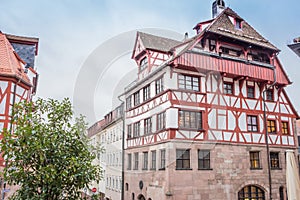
[[47, 153]]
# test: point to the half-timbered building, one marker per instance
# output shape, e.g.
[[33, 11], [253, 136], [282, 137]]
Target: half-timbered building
[[208, 117], [18, 78]]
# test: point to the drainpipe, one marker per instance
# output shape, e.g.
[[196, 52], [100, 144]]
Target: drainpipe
[[266, 128], [123, 148]]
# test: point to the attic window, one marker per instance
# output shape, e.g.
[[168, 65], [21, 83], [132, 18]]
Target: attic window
[[238, 24], [144, 63]]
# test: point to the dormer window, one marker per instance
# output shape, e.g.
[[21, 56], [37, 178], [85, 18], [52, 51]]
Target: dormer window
[[238, 24], [144, 63]]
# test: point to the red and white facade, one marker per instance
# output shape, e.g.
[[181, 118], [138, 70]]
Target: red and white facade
[[199, 114], [17, 81]]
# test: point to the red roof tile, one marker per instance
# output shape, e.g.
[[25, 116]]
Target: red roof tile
[[10, 63]]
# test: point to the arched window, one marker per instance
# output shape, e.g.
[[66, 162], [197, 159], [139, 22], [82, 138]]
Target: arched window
[[132, 196], [251, 192], [141, 197], [126, 186]]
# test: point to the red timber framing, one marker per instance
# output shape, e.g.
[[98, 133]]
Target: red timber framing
[[224, 116], [17, 81], [155, 57], [11, 91]]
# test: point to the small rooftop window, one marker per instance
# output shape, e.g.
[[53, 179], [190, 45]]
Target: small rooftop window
[[144, 63], [238, 24]]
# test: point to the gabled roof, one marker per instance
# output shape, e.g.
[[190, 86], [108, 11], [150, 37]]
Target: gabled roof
[[153, 42], [11, 64], [222, 25], [157, 43]]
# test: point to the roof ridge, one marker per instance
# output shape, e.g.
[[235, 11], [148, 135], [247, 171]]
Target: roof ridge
[[149, 34]]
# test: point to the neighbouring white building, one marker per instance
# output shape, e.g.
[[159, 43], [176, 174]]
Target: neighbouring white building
[[108, 134]]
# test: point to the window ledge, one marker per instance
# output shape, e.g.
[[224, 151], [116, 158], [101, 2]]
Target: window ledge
[[205, 169], [259, 168], [277, 168], [184, 169], [191, 129]]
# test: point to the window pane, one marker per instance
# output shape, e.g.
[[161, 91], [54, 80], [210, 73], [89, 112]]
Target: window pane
[[188, 82], [190, 119]]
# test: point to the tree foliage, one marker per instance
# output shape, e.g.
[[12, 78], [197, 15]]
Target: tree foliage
[[46, 154]]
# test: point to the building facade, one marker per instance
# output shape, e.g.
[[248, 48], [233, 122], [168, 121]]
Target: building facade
[[18, 78], [18, 81], [208, 117], [107, 134]]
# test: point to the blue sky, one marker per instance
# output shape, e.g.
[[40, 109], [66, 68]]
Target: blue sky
[[71, 30]]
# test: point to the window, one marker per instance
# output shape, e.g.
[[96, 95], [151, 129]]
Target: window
[[190, 119], [128, 102], [270, 95], [228, 88], [254, 160], [182, 159], [250, 92], [159, 86], [153, 160], [203, 159], [251, 192], [231, 51], [238, 24], [145, 163], [271, 124], [252, 123], [162, 159], [147, 126], [259, 57], [146, 93], [136, 98], [129, 131], [144, 63], [136, 129], [285, 128], [188, 82], [161, 121], [274, 158], [136, 161]]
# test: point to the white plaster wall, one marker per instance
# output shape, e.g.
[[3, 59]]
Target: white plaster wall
[[215, 84], [172, 118], [236, 87], [212, 119], [203, 84], [243, 122], [172, 82], [231, 121]]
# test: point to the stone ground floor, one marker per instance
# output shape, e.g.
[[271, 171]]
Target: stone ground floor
[[191, 171]]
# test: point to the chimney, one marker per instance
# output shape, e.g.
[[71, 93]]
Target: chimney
[[217, 7], [186, 36]]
